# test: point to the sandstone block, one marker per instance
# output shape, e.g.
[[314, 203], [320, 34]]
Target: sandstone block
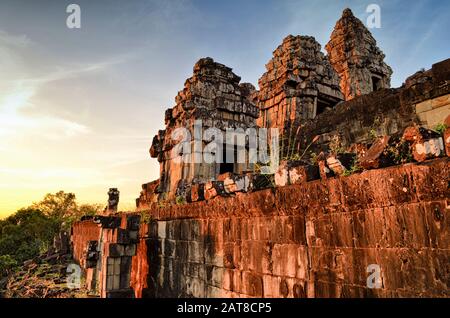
[[252, 284], [282, 175], [370, 160], [115, 250], [123, 236], [162, 229], [197, 192], [425, 143], [130, 250]]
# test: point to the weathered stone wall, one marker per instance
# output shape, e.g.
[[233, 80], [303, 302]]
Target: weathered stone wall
[[298, 84], [310, 240], [212, 98], [433, 110], [423, 99], [82, 233], [435, 102], [104, 246]]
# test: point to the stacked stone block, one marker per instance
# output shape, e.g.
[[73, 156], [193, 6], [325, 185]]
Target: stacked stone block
[[213, 96], [314, 239], [298, 78], [118, 241], [104, 247]]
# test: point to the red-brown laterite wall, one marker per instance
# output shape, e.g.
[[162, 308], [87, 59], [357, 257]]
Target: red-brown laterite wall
[[140, 264], [310, 240], [82, 233]]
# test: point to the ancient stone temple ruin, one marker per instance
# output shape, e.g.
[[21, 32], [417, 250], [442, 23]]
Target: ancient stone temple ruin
[[354, 54], [211, 98], [300, 84], [367, 184]]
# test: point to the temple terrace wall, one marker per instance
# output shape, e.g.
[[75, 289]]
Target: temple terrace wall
[[315, 239]]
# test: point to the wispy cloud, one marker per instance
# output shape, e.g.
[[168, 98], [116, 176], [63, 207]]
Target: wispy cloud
[[72, 71], [18, 93], [14, 40], [14, 123]]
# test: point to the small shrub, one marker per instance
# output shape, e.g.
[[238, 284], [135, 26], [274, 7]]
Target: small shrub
[[335, 145], [355, 167], [440, 128], [7, 264], [145, 217], [373, 134], [313, 158], [161, 204], [398, 152], [180, 200]]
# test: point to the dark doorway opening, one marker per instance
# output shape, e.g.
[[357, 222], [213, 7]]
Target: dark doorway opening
[[321, 106], [376, 83], [225, 165], [324, 103]]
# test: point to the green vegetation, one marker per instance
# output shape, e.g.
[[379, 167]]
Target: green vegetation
[[7, 263], [440, 128], [398, 152], [294, 155], [373, 134], [313, 158], [26, 234], [355, 167], [373, 131], [335, 145], [180, 200], [30, 231], [145, 217], [268, 178], [63, 208]]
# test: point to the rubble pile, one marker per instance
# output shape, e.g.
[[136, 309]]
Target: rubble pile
[[425, 143], [416, 144], [45, 276], [41, 279]]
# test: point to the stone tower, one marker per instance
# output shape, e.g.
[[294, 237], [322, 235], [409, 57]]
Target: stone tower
[[299, 84], [212, 98], [354, 54]]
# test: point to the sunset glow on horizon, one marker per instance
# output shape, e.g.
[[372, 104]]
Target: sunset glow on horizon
[[79, 108]]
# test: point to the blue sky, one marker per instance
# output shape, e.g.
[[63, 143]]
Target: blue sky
[[79, 107]]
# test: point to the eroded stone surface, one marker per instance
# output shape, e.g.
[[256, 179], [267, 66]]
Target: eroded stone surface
[[299, 83], [356, 58], [314, 239], [213, 96]]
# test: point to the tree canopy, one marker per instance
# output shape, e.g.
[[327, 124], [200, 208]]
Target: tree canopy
[[30, 231]]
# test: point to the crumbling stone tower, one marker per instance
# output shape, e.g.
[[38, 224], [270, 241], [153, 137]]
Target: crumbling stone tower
[[213, 96], [354, 54], [299, 84]]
